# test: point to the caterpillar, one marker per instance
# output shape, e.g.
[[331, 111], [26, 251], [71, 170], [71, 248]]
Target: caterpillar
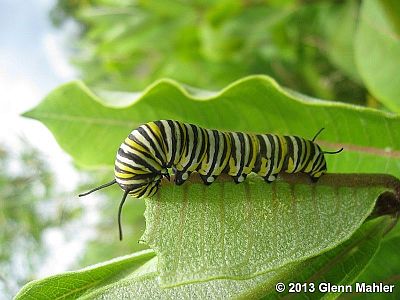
[[150, 150]]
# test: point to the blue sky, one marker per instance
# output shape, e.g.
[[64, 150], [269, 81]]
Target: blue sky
[[33, 61]]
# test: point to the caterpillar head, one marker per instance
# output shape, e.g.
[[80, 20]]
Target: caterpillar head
[[135, 177], [318, 163]]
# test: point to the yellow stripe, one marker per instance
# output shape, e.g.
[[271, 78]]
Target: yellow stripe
[[263, 168], [254, 142], [309, 161], [156, 130], [228, 150], [126, 168], [283, 148], [135, 145], [123, 175]]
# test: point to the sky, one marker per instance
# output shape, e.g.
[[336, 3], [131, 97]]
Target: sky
[[33, 61]]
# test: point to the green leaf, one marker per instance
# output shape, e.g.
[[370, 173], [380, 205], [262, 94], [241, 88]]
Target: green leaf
[[385, 265], [339, 23], [143, 281], [239, 231], [83, 122], [339, 266], [72, 285], [144, 284], [377, 52]]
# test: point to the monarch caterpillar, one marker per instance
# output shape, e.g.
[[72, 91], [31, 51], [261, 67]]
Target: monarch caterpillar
[[145, 156]]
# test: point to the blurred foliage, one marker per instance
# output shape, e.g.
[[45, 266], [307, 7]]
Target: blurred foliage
[[30, 204], [106, 244], [305, 45]]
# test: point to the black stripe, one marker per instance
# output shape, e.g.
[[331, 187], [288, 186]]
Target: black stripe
[[321, 163], [205, 142], [261, 153], [216, 150], [128, 165], [174, 144], [289, 153], [132, 187], [187, 140], [241, 152], [194, 141], [145, 154], [274, 146], [137, 159], [147, 176], [316, 163], [152, 144], [183, 140], [304, 151], [299, 153], [151, 190], [233, 148], [224, 158], [310, 157], [142, 192], [157, 139], [250, 150]]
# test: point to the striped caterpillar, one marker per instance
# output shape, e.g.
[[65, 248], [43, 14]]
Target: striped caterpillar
[[145, 156]]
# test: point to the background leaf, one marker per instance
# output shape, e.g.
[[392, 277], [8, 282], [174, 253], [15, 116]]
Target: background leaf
[[339, 266], [72, 285], [379, 270], [377, 52], [83, 125]]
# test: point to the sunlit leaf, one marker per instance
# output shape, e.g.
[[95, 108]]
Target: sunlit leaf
[[83, 125]]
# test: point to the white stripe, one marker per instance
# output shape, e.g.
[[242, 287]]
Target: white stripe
[[146, 143], [276, 152], [211, 149], [128, 149], [295, 152], [168, 134], [159, 147], [246, 151], [219, 155], [178, 151], [196, 158], [189, 144]]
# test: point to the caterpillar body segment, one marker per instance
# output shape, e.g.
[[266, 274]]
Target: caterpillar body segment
[[150, 150]]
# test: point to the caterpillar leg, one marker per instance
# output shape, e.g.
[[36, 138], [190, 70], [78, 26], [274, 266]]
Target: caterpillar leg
[[315, 177], [239, 178], [208, 179], [270, 178], [166, 174], [181, 177]]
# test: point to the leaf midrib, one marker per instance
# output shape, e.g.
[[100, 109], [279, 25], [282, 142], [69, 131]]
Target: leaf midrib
[[129, 124]]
